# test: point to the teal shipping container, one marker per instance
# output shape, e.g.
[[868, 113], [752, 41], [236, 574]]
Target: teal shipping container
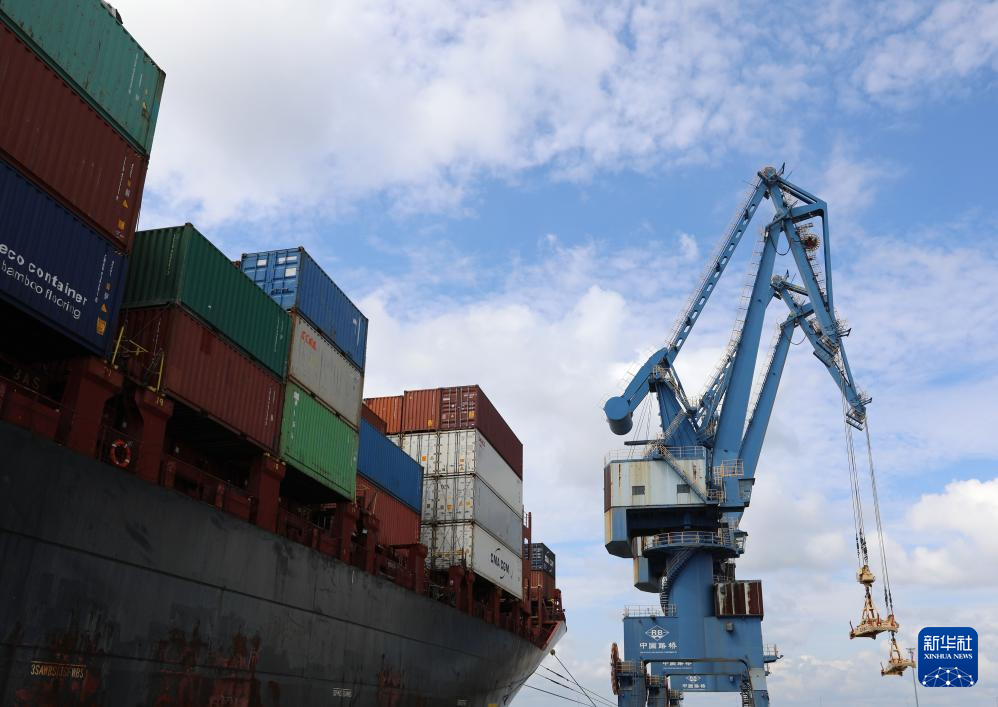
[[318, 443], [90, 48], [180, 265]]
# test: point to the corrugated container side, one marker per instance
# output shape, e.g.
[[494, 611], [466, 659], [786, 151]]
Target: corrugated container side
[[372, 419], [466, 498], [293, 278], [464, 452], [398, 523], [421, 410], [321, 370], [542, 581], [382, 462], [466, 407], [473, 546], [181, 265], [388, 409], [93, 51], [206, 372], [55, 267], [66, 146], [318, 443]]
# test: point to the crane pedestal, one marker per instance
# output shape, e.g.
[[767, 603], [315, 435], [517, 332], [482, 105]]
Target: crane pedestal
[[706, 646]]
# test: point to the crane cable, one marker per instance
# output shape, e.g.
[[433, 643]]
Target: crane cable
[[862, 554], [888, 597]]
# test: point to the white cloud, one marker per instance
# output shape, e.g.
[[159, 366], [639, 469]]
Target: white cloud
[[945, 45], [271, 115], [688, 249]]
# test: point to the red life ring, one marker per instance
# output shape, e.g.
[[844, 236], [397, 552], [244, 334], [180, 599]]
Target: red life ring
[[121, 453]]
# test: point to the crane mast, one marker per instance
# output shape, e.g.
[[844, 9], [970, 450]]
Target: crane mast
[[673, 504]]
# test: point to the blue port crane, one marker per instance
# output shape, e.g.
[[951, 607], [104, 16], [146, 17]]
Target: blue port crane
[[673, 504]]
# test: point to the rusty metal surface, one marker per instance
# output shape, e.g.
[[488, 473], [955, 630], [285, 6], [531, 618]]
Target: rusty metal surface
[[399, 524], [421, 410], [389, 409], [118, 592]]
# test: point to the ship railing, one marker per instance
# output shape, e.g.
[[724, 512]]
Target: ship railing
[[199, 484], [28, 409]]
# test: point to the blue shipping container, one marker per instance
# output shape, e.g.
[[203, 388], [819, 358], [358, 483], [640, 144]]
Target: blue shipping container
[[388, 466], [296, 281], [55, 267]]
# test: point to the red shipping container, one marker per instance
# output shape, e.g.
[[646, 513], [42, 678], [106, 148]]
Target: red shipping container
[[53, 135], [543, 581], [205, 372], [467, 407], [372, 418], [421, 410], [388, 409], [399, 524]]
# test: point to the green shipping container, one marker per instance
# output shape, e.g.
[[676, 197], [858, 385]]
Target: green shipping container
[[318, 443], [180, 265], [91, 50]]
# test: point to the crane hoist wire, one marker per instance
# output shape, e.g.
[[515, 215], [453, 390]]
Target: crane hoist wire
[[888, 597], [862, 553]]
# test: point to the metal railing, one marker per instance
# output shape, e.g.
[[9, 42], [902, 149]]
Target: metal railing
[[730, 468], [721, 538], [192, 481], [628, 667], [28, 409], [649, 610]]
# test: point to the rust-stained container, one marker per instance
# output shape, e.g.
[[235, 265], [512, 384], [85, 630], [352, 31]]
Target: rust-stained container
[[388, 409], [61, 142], [370, 417], [467, 407], [738, 598], [398, 524], [542, 582], [421, 410], [87, 43], [205, 371]]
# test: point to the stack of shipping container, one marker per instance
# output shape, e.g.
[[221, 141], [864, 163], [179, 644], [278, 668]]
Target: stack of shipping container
[[472, 509], [203, 335], [325, 367], [542, 571], [79, 104]]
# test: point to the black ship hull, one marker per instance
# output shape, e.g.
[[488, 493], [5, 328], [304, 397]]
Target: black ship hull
[[117, 592]]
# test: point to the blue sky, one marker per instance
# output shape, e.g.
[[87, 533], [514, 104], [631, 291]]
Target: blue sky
[[522, 194]]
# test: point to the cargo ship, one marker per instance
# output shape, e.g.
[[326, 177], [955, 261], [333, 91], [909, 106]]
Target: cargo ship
[[197, 504]]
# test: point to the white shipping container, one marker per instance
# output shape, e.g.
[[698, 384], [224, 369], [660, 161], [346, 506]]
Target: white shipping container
[[320, 369], [466, 498], [464, 452], [473, 546]]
